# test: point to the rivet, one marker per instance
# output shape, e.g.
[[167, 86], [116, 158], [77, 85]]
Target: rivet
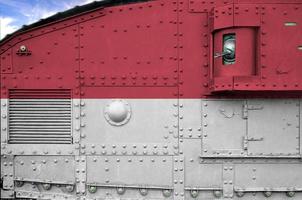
[[46, 186], [92, 189], [267, 193], [217, 193], [167, 193], [194, 193], [239, 193], [69, 188], [143, 191], [120, 190], [290, 193]]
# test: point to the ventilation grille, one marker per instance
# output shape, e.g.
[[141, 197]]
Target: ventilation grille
[[40, 117]]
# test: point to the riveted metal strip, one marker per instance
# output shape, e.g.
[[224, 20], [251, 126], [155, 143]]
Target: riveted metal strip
[[262, 189], [228, 180], [80, 173], [174, 129], [39, 149], [7, 172], [4, 121], [76, 120], [179, 176], [43, 181], [189, 120], [262, 160], [154, 187], [38, 195], [127, 149]]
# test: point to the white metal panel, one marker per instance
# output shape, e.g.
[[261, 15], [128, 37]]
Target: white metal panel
[[190, 118], [278, 176], [223, 127], [137, 171], [56, 169], [273, 127], [153, 124], [199, 174]]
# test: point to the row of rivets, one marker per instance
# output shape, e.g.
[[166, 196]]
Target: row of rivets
[[122, 190]]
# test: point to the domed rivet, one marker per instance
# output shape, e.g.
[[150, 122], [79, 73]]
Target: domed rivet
[[290, 193], [143, 191], [194, 193], [92, 189], [120, 190], [69, 188], [46, 186], [19, 183], [239, 193], [267, 193], [217, 193], [167, 193]]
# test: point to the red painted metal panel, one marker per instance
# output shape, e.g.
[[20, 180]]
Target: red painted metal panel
[[160, 49], [271, 59], [6, 62], [223, 17], [269, 1], [53, 63], [196, 6], [194, 55], [247, 15], [281, 60], [132, 45], [130, 92]]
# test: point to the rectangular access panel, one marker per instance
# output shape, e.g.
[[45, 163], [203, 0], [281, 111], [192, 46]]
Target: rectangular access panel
[[223, 127], [273, 127]]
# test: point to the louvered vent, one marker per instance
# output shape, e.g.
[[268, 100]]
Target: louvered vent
[[40, 117]]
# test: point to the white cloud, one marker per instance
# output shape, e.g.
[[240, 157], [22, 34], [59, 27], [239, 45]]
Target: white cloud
[[37, 12], [6, 26], [40, 11], [33, 13]]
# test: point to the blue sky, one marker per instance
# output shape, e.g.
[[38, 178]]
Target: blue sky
[[15, 13]]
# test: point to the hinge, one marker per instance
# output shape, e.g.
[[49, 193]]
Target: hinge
[[244, 111], [247, 139], [255, 139], [247, 107]]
